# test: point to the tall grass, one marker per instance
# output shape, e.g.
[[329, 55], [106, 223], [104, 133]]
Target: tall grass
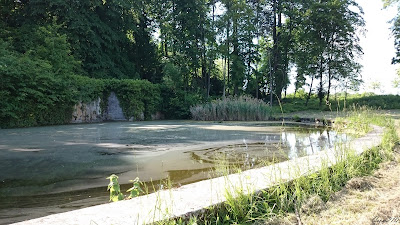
[[265, 206], [296, 103], [241, 108]]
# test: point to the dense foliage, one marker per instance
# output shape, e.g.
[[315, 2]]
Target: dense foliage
[[47, 99], [193, 50], [33, 86], [137, 97]]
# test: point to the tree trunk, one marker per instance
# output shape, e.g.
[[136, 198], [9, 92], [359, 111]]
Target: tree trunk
[[258, 40], [173, 38], [228, 46], [204, 73], [235, 53], [256, 72], [212, 49], [329, 83], [321, 85], [278, 74], [271, 86], [309, 93], [224, 72], [275, 44], [286, 55], [345, 96], [166, 48]]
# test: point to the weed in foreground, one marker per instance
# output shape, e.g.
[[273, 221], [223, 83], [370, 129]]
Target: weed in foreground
[[115, 189]]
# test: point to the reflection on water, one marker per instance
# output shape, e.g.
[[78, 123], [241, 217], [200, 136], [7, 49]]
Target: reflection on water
[[300, 145], [274, 148], [48, 170]]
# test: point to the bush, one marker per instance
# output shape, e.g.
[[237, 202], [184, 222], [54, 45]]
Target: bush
[[176, 103], [31, 94], [35, 67], [137, 97]]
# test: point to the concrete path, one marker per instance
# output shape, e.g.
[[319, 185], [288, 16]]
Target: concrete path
[[194, 197]]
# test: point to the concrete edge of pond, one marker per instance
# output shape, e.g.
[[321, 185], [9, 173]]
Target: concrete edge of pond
[[192, 198]]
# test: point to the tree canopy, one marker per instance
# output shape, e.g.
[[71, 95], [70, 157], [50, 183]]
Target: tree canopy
[[193, 49]]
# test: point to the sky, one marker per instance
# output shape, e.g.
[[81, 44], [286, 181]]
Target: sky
[[378, 46]]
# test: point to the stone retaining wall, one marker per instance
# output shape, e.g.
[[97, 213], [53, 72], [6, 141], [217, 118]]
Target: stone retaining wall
[[87, 112], [91, 112]]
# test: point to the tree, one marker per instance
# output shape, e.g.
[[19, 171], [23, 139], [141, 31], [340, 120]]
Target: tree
[[331, 28], [242, 23], [376, 86], [100, 33], [145, 54], [396, 81], [395, 28]]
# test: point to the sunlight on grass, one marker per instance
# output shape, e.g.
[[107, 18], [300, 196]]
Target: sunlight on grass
[[307, 194]]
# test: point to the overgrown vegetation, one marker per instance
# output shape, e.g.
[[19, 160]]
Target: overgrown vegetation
[[268, 205], [30, 91], [49, 100], [50, 49], [338, 102], [41, 80], [246, 108], [232, 109], [198, 55]]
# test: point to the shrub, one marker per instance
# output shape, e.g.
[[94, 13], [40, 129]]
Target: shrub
[[176, 103], [137, 97], [31, 94]]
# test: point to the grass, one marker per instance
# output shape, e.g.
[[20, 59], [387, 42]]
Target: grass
[[232, 109], [306, 194], [372, 199], [295, 103], [359, 119], [245, 108]]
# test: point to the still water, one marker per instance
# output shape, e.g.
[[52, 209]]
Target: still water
[[46, 170]]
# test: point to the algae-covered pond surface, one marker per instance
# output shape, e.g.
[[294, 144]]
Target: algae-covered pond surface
[[48, 170]]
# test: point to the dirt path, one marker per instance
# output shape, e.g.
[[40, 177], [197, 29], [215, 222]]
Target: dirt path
[[367, 200], [373, 199]]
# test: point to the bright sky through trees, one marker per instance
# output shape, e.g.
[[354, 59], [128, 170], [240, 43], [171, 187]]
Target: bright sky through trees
[[378, 46]]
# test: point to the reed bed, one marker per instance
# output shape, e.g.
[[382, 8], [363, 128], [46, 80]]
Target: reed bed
[[241, 108]]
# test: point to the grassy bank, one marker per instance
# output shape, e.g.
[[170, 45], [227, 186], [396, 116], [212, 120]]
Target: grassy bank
[[294, 103], [304, 195], [246, 108]]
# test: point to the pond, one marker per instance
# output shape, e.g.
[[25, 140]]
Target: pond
[[46, 170]]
